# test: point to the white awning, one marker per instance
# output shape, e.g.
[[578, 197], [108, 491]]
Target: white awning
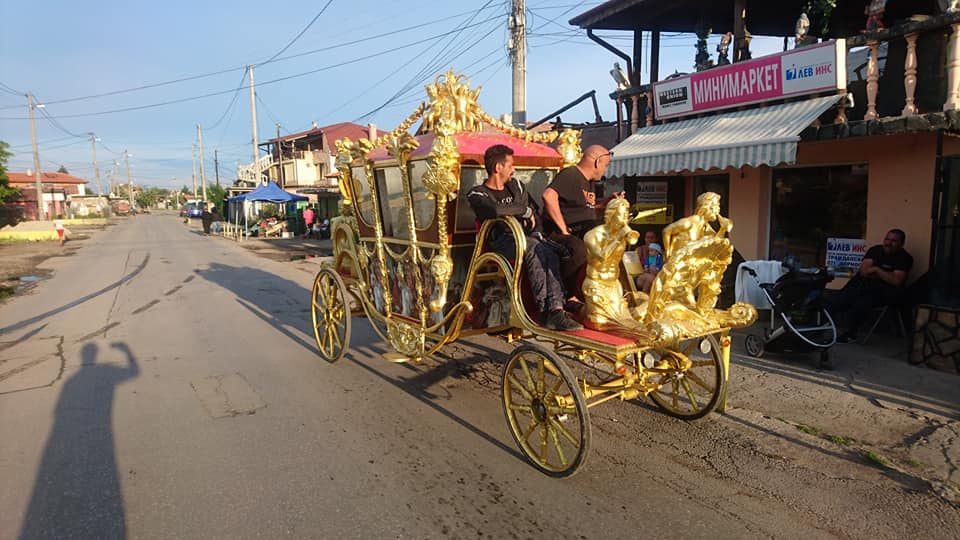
[[754, 137]]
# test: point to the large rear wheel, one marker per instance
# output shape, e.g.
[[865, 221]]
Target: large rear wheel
[[692, 381], [546, 410], [331, 315]]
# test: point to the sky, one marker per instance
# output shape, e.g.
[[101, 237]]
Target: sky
[[143, 75]]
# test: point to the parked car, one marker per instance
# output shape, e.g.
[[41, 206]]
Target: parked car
[[192, 209]]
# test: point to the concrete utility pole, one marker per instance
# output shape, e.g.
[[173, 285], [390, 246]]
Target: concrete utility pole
[[203, 174], [253, 116], [126, 156], [216, 165], [517, 45], [113, 175], [96, 168], [194, 171], [283, 182], [41, 211]]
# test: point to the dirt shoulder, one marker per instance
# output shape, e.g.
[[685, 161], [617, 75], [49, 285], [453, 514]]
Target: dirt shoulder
[[19, 260]]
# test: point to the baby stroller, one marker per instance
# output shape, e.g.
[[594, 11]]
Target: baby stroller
[[798, 321]]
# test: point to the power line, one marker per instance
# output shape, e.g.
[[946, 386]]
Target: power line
[[9, 90], [272, 58], [232, 102], [280, 79]]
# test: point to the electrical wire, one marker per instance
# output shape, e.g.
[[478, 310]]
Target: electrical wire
[[273, 81], [272, 58], [232, 102], [10, 90]]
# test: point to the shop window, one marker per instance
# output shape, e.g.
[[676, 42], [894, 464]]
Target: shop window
[[361, 190], [945, 272], [812, 204], [393, 207], [423, 206]]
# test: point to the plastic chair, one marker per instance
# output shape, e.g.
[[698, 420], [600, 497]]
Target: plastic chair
[[881, 313]]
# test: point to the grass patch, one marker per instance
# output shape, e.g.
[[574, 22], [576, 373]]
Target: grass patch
[[874, 459], [9, 240], [838, 439], [914, 463], [810, 430], [6, 292]]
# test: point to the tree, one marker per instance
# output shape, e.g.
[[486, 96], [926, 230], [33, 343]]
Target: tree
[[63, 170], [149, 197], [217, 195], [6, 192]]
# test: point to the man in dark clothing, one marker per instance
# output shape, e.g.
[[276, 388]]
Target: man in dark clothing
[[879, 282], [570, 209], [502, 195], [206, 218]]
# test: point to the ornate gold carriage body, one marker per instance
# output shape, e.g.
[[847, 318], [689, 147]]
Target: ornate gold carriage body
[[410, 256]]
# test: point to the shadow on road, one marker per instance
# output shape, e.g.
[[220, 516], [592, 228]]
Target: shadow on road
[[77, 490], [279, 302]]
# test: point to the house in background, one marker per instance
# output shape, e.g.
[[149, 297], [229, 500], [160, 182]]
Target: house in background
[[302, 163], [57, 190]]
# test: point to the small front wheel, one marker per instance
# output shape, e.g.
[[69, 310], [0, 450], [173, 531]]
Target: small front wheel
[[692, 380], [546, 410], [331, 315]]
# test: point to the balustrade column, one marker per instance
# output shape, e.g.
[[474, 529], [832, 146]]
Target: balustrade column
[[953, 70], [910, 75], [649, 109], [873, 75], [635, 114]]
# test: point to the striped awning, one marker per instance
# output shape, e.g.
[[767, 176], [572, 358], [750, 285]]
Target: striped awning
[[754, 137]]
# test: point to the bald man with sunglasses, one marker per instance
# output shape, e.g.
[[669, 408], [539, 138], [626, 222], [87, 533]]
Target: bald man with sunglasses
[[569, 209]]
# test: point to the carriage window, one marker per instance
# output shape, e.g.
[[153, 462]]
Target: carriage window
[[423, 208], [393, 207], [469, 177], [365, 201], [535, 180]]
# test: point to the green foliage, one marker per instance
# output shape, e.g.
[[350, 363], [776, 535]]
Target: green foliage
[[217, 195], [841, 440], [149, 197], [63, 170], [810, 430], [6, 192], [269, 210], [819, 12], [874, 459]]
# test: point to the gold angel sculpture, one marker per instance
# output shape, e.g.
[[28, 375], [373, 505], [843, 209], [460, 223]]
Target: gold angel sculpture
[[683, 297]]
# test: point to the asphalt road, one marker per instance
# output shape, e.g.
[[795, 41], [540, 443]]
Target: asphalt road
[[164, 385]]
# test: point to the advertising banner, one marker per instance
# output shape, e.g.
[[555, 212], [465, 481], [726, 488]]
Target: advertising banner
[[652, 192], [807, 70], [844, 255]]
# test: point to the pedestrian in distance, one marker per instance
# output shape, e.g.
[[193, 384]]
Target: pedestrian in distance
[[58, 225]]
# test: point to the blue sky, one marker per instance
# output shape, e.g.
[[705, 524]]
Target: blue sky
[[337, 71]]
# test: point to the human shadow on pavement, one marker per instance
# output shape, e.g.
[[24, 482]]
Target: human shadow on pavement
[[77, 492], [279, 302]]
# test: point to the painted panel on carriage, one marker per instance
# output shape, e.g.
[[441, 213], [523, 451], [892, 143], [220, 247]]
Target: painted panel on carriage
[[844, 255]]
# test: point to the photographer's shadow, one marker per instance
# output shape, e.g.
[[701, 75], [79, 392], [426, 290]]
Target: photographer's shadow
[[77, 492]]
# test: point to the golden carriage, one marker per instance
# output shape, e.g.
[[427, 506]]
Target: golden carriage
[[409, 255]]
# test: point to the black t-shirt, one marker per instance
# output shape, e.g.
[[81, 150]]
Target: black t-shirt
[[901, 260], [570, 184]]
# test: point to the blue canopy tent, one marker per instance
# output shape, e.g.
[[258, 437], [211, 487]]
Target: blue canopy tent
[[270, 192]]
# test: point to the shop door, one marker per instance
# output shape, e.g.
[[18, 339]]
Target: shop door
[[717, 183]]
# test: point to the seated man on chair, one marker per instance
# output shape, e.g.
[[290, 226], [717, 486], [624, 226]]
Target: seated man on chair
[[879, 282], [502, 195]]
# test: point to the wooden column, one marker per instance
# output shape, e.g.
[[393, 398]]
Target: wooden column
[[655, 57], [619, 119], [910, 75], [873, 76], [637, 56], [841, 113], [635, 114], [953, 70], [739, 27]]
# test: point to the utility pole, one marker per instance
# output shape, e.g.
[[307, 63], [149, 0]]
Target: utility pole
[[96, 169], [216, 165], [113, 175], [253, 117], [203, 175], [126, 156], [517, 45], [194, 171], [41, 211], [283, 182]]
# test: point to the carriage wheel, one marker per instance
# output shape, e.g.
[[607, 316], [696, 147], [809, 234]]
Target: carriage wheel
[[694, 388], [546, 410], [331, 315]]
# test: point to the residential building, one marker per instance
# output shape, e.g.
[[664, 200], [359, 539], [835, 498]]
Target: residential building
[[56, 189]]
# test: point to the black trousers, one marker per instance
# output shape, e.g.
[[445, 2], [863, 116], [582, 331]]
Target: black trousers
[[573, 261], [859, 296]]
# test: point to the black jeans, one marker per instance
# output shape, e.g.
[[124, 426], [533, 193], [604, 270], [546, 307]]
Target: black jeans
[[859, 296], [572, 261], [541, 263]]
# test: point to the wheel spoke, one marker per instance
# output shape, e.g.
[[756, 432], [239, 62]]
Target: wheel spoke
[[540, 376], [543, 443], [676, 392], [519, 408], [532, 426], [690, 394], [701, 363], [526, 371], [690, 345], [556, 443], [514, 383], [698, 381], [566, 433]]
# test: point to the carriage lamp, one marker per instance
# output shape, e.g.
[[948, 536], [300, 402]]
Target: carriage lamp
[[650, 359], [705, 346]]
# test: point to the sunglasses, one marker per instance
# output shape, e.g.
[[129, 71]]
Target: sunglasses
[[596, 162]]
